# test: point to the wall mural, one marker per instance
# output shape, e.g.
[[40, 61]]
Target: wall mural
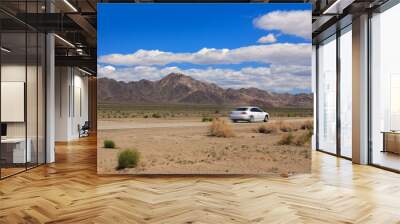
[[204, 89]]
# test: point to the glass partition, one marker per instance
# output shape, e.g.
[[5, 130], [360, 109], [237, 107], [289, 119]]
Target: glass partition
[[327, 95], [22, 88], [31, 98], [13, 94], [41, 97], [385, 89], [346, 93]]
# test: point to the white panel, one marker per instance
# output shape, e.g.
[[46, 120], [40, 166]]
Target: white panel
[[12, 101]]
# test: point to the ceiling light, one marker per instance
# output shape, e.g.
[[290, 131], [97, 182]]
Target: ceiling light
[[70, 5], [337, 7], [65, 41], [334, 5], [5, 50], [84, 71]]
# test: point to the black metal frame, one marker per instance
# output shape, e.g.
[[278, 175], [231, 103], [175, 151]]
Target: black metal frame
[[316, 96], [338, 98], [369, 115]]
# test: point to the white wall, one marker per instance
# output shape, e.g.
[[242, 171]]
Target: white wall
[[9, 73], [62, 82], [71, 87], [33, 126]]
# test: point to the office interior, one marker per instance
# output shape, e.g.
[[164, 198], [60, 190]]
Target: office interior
[[44, 96], [356, 84]]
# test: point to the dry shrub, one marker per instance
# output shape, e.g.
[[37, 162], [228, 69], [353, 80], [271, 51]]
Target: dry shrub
[[286, 139], [156, 115], [129, 158], [207, 119], [304, 139], [307, 125], [109, 144], [285, 126], [267, 129], [220, 128]]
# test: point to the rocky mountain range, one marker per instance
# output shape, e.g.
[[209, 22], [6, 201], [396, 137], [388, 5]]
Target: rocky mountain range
[[182, 89]]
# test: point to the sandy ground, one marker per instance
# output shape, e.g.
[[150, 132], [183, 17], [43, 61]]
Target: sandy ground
[[182, 146]]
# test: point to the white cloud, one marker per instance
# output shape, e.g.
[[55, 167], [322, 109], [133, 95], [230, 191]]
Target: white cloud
[[295, 22], [279, 54], [270, 38], [106, 69], [274, 78]]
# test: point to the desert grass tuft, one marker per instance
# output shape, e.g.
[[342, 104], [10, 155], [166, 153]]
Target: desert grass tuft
[[286, 139], [304, 139], [207, 119], [220, 128], [129, 158], [156, 115], [267, 129], [109, 144], [285, 126], [307, 125]]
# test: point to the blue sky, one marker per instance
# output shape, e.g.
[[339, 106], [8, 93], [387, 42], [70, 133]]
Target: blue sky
[[219, 43]]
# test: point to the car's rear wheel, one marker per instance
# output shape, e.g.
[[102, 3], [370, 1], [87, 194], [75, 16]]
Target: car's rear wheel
[[234, 121], [266, 118], [251, 119]]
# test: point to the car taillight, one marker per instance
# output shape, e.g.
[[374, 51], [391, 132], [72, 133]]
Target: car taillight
[[243, 113]]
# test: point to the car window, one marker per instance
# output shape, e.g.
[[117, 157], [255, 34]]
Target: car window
[[254, 110], [241, 109]]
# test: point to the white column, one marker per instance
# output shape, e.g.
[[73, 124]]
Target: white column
[[360, 90], [50, 99], [62, 103]]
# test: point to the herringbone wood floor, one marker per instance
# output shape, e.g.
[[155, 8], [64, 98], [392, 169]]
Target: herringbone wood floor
[[69, 191]]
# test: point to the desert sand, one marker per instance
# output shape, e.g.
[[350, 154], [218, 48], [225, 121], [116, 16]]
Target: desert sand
[[183, 146]]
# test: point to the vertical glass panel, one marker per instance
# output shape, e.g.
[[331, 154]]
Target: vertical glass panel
[[31, 98], [41, 98], [13, 87], [385, 87], [327, 96], [346, 93]]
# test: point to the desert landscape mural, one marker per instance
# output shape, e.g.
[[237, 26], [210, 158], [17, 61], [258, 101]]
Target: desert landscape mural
[[246, 110]]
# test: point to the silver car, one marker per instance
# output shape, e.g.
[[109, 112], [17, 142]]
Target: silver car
[[250, 114]]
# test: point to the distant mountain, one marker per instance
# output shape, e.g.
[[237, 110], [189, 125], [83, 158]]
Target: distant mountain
[[181, 89]]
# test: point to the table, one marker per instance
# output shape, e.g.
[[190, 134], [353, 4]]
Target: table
[[16, 147], [391, 141]]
